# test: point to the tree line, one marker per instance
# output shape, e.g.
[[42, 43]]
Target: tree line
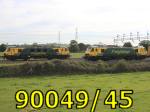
[[74, 46], [144, 43]]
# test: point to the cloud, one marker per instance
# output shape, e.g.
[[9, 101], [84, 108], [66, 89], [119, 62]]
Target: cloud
[[101, 20]]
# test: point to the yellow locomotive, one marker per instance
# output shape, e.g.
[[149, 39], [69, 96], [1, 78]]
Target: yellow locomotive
[[13, 53], [103, 53], [62, 52], [94, 53]]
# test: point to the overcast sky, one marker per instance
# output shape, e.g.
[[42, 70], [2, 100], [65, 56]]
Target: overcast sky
[[28, 21]]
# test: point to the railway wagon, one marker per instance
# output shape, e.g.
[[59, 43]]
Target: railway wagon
[[96, 53], [36, 53], [62, 52], [123, 53]]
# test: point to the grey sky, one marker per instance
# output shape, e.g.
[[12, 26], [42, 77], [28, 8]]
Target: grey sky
[[28, 21]]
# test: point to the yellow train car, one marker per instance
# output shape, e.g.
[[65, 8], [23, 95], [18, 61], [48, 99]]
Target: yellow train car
[[110, 53], [12, 53], [94, 53], [141, 52], [62, 52]]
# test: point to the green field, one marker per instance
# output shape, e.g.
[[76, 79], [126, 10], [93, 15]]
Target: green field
[[77, 55], [139, 82]]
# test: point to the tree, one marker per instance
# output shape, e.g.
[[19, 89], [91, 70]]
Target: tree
[[82, 46], [3, 47], [73, 46], [35, 44], [127, 44], [145, 43]]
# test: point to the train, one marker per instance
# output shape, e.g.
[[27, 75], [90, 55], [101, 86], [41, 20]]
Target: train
[[14, 53], [92, 53], [111, 53]]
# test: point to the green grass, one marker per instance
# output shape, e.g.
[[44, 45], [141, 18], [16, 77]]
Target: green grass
[[77, 55], [1, 54], [11, 64], [139, 82]]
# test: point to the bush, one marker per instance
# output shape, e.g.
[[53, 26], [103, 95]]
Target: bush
[[102, 66], [64, 67], [121, 66]]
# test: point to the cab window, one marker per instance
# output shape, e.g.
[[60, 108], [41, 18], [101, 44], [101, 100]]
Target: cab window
[[102, 50], [92, 49], [44, 50], [19, 50], [38, 50], [56, 50], [32, 50], [96, 50], [136, 50]]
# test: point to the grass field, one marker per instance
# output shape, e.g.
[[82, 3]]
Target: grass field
[[77, 55], [139, 82]]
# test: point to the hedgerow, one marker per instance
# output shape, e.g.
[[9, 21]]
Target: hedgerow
[[65, 67]]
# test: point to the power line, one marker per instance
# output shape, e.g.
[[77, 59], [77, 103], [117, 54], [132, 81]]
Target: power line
[[130, 37]]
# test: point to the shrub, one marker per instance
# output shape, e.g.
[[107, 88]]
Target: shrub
[[121, 66], [102, 66], [64, 67]]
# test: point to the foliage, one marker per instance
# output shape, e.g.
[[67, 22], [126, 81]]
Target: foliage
[[73, 46], [3, 47], [127, 44], [64, 67], [121, 66], [82, 46], [145, 43]]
